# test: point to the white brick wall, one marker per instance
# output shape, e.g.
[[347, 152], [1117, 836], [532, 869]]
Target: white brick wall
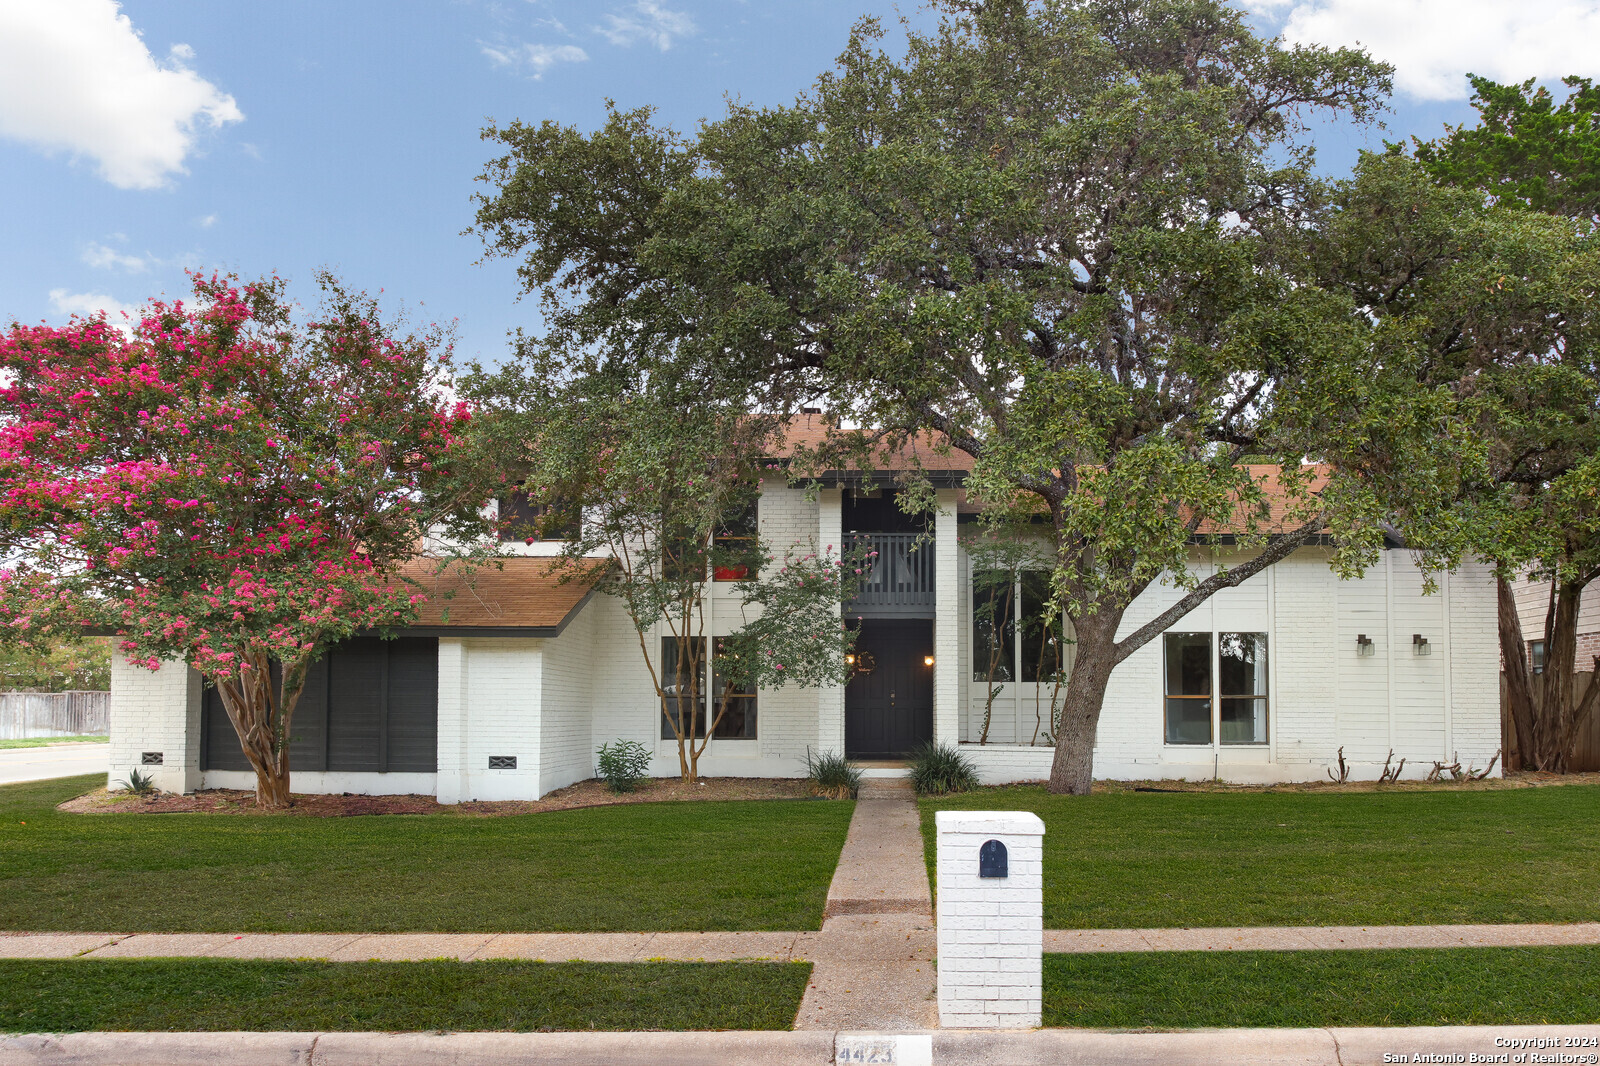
[[990, 930], [567, 676], [949, 627], [156, 710], [489, 697], [1321, 693]]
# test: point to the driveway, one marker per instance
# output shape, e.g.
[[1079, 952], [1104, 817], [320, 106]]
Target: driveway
[[56, 760]]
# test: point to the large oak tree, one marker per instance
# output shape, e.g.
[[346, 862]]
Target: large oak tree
[[1067, 236]]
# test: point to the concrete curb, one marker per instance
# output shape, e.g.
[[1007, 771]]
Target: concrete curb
[[1042, 1047]]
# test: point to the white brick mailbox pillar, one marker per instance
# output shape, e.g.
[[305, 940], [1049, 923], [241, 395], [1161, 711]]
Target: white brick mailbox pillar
[[990, 917]]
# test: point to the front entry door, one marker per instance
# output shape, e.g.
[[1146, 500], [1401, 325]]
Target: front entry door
[[889, 710]]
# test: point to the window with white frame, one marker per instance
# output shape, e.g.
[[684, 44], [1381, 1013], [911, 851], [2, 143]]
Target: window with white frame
[[1215, 688]]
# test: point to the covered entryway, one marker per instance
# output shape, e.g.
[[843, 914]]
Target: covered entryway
[[888, 702]]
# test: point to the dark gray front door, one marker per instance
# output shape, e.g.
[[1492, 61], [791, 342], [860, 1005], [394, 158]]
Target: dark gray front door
[[889, 711]]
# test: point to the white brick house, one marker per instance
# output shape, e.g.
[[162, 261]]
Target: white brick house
[[510, 693]]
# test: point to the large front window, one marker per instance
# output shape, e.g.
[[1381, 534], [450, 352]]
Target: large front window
[[1222, 696], [738, 722], [1015, 631]]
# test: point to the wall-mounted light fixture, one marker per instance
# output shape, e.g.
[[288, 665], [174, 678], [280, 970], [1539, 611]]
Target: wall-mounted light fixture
[[1420, 645], [1364, 646], [850, 660], [927, 660]]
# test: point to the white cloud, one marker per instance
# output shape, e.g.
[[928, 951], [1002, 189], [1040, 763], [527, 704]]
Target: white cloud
[[90, 303], [1433, 44], [649, 21], [76, 76], [206, 221], [102, 257], [536, 58]]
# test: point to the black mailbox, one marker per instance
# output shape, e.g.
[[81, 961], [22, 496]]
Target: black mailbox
[[992, 859]]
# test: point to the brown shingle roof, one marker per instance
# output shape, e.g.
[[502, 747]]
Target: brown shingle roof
[[517, 593]]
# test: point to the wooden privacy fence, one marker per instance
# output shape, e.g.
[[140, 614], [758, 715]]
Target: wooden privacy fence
[[1585, 750], [54, 714]]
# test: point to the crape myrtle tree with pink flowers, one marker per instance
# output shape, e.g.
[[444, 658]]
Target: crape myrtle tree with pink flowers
[[666, 476], [227, 485]]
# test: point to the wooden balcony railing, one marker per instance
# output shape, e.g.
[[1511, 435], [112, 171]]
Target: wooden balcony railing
[[900, 582]]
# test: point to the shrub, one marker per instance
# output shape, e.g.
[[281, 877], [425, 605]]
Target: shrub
[[832, 775], [940, 768], [623, 764], [139, 783]]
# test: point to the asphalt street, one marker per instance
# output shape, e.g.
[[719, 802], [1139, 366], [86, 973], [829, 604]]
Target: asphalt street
[[56, 760]]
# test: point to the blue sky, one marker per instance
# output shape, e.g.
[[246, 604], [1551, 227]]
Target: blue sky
[[142, 138]]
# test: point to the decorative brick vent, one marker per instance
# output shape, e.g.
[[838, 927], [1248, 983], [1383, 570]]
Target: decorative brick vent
[[150, 758], [502, 762]]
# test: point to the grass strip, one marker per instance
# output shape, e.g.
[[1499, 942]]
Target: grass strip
[[41, 742], [154, 995], [755, 864], [1119, 860], [1413, 986]]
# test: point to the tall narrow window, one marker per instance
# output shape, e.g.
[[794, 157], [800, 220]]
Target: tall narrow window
[[735, 546], [993, 611], [1242, 673], [1188, 682], [1044, 647], [739, 723], [1536, 656], [676, 683]]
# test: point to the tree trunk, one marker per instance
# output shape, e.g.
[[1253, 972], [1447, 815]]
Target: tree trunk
[[1072, 770], [1519, 686], [261, 719], [1554, 696]]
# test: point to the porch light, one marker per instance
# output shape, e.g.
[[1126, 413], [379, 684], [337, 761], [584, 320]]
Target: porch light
[[850, 660], [927, 660], [1420, 645], [1364, 646]]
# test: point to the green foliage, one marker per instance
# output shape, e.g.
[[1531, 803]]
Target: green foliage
[[138, 783], [757, 864], [1067, 237], [64, 666], [939, 769], [306, 995], [666, 473], [833, 775], [1526, 149], [623, 764]]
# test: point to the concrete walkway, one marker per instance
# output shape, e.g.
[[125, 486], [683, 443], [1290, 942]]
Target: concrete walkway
[[851, 943], [53, 760], [1046, 1047], [873, 960]]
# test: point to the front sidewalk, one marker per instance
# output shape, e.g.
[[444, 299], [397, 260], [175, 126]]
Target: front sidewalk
[[1043, 1047]]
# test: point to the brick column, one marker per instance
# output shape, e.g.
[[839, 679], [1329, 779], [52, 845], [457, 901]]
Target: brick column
[[156, 713], [830, 699], [991, 929], [450, 784], [947, 624]]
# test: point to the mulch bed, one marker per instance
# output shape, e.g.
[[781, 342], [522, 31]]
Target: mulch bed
[[592, 793]]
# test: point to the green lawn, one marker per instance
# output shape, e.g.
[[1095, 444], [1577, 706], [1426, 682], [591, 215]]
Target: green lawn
[[1425, 986], [635, 867], [39, 742], [1143, 859], [152, 995]]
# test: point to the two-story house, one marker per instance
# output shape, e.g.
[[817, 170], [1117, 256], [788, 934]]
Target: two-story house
[[505, 689]]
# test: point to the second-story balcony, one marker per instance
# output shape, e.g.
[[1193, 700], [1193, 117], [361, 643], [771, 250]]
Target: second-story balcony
[[900, 582]]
